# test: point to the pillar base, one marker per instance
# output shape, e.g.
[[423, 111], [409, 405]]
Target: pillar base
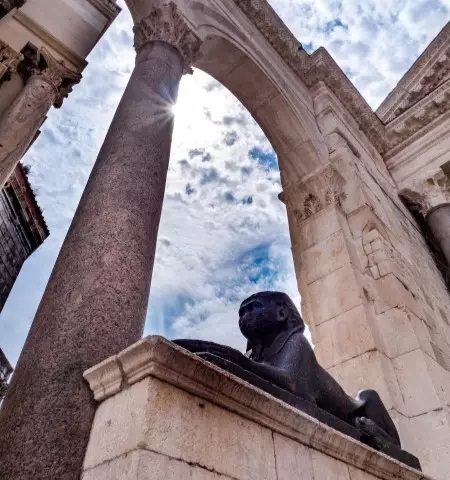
[[167, 414]]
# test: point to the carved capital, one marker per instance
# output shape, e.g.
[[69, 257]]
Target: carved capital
[[165, 24], [428, 194], [9, 59], [309, 197], [56, 74]]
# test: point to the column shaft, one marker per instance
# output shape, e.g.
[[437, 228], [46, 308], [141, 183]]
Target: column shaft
[[438, 220], [96, 299]]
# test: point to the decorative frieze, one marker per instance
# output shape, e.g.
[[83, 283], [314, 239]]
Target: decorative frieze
[[309, 197], [165, 24], [428, 194], [9, 59]]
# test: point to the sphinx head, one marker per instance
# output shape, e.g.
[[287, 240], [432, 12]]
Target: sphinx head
[[266, 314]]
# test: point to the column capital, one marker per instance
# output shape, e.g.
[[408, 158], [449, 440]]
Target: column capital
[[166, 24], [429, 193], [9, 59], [311, 195], [56, 74]]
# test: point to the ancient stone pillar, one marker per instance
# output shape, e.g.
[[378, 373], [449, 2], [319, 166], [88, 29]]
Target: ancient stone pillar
[[47, 85], [432, 198], [96, 299]]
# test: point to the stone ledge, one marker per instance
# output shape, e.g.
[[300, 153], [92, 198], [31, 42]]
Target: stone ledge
[[159, 358]]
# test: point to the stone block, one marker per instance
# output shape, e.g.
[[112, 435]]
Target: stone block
[[328, 468], [422, 333], [343, 337], [325, 224], [325, 257], [357, 474], [145, 465], [366, 372], [384, 267], [377, 244], [177, 424], [371, 236], [415, 383], [394, 333], [334, 294], [390, 292], [440, 378], [293, 460], [432, 434], [178, 416], [367, 248], [374, 271]]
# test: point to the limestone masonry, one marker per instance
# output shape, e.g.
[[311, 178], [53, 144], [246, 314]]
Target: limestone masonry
[[368, 203]]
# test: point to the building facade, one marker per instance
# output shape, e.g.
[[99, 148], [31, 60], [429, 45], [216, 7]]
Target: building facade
[[22, 228], [43, 50]]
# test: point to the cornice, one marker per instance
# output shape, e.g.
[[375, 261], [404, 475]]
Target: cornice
[[108, 7], [424, 106], [418, 119], [50, 40], [430, 70], [311, 69]]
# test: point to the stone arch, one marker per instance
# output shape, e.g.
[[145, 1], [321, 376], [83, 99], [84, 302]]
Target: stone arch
[[235, 53]]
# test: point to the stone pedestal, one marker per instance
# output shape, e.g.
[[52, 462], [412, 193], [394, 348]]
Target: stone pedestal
[[166, 414]]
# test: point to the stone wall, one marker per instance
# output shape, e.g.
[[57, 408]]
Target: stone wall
[[376, 303], [166, 414]]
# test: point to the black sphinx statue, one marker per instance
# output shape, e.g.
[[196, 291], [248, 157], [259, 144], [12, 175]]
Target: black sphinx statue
[[281, 361]]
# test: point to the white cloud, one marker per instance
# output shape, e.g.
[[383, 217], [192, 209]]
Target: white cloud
[[223, 233]]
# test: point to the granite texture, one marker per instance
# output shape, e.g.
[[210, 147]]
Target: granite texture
[[96, 299]]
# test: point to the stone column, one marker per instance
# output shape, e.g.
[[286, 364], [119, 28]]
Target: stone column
[[432, 198], [96, 300], [47, 85]]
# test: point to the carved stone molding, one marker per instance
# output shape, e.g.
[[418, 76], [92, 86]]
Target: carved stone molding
[[418, 118], [108, 7], [165, 24], [9, 59], [56, 74], [428, 194], [319, 191]]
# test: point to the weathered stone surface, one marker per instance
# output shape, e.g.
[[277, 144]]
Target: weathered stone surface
[[182, 426], [327, 468], [419, 397], [293, 460], [395, 333], [346, 294], [343, 337], [143, 464], [177, 405], [96, 299]]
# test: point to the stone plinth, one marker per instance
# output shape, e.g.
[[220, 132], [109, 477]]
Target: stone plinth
[[166, 414]]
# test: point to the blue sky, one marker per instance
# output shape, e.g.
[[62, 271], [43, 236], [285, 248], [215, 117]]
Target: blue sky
[[223, 233]]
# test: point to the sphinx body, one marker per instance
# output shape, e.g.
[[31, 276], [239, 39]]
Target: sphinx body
[[278, 352]]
